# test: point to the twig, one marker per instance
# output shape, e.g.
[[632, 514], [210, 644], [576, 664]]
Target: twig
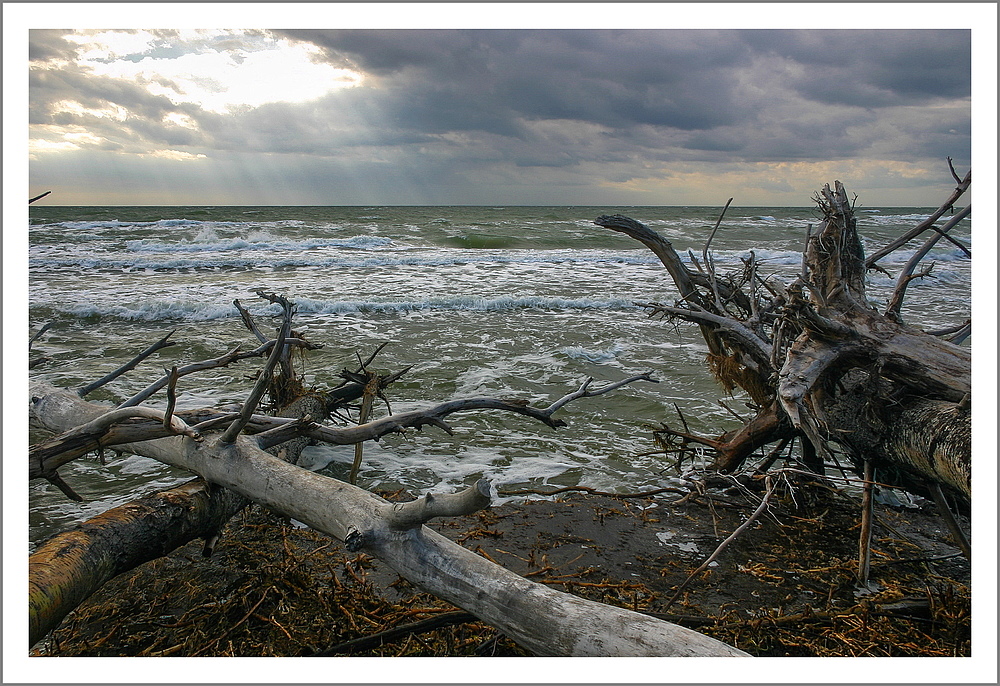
[[681, 416], [171, 398], [376, 640], [956, 531], [865, 540], [709, 263], [594, 491], [731, 411], [234, 626], [935, 558], [722, 546]]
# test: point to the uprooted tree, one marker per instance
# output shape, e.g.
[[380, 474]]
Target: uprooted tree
[[820, 364], [811, 365]]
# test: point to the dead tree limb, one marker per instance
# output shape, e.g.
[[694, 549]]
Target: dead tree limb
[[960, 190], [164, 342], [538, 618]]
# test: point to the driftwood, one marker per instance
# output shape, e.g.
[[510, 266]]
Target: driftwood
[[819, 364], [243, 456], [545, 621]]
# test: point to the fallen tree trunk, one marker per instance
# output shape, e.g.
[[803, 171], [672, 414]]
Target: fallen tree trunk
[[69, 567], [540, 619]]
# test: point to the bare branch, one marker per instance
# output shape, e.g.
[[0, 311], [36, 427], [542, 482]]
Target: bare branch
[[948, 330], [249, 322], [46, 327], [954, 174], [128, 366], [660, 247], [44, 458], [293, 428], [896, 300], [964, 332], [709, 262], [865, 537], [367, 399], [947, 205], [582, 392], [434, 415], [228, 358], [220, 361], [171, 397], [758, 347], [263, 381]]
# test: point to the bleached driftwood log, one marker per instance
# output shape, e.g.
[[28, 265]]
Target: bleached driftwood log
[[538, 618]]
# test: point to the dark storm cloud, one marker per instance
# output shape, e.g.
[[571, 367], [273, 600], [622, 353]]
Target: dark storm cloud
[[752, 94], [874, 68], [485, 79], [583, 106]]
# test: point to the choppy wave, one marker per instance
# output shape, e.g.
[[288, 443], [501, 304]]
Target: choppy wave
[[591, 355], [196, 310], [514, 301], [395, 258]]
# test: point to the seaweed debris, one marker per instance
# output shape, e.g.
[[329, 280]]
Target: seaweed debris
[[785, 587]]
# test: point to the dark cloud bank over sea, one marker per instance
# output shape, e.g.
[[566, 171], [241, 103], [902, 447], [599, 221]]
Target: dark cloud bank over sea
[[535, 116]]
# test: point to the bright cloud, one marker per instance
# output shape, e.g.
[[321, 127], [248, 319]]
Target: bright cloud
[[216, 70]]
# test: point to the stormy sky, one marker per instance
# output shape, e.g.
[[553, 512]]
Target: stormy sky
[[486, 116]]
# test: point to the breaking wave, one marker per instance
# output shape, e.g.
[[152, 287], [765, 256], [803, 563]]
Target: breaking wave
[[195, 310]]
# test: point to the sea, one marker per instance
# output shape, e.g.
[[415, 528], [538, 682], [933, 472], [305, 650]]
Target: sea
[[511, 302]]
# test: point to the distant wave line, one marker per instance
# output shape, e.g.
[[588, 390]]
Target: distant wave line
[[437, 258]]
